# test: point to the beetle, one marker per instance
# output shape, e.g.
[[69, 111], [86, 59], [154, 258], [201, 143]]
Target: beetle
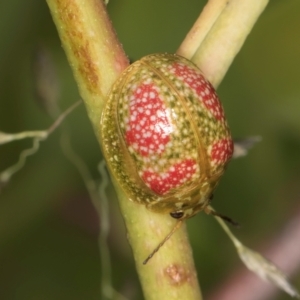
[[165, 137]]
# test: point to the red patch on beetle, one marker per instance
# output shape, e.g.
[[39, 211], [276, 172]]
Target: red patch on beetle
[[149, 125], [222, 151], [177, 175], [202, 87]]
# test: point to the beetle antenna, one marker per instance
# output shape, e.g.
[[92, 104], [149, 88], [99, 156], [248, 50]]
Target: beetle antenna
[[210, 211], [176, 227]]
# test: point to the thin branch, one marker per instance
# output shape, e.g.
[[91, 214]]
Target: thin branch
[[283, 250], [261, 266], [225, 28], [37, 136], [201, 28]]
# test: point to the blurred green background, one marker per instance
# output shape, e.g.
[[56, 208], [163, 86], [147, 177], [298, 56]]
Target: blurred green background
[[48, 227]]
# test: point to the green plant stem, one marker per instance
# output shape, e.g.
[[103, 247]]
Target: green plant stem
[[92, 49], [97, 59], [209, 15], [170, 274], [219, 34]]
